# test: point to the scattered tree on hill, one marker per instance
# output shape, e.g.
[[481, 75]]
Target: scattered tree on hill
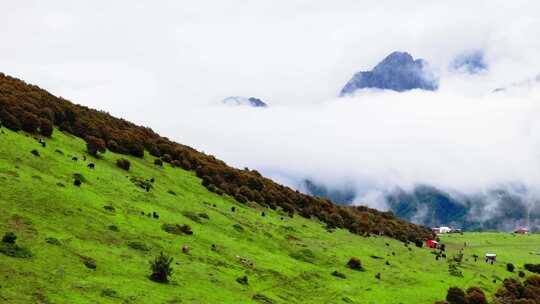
[[45, 127], [123, 163], [9, 121], [515, 292], [475, 295], [95, 145], [456, 295], [30, 122], [161, 268], [355, 264], [532, 267], [510, 267], [166, 158]]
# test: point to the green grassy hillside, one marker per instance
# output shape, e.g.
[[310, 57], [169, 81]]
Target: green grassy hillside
[[286, 260]]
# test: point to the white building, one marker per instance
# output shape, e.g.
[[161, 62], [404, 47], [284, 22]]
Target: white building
[[441, 230]]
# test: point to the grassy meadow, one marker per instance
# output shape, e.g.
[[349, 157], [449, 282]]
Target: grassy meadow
[[286, 260]]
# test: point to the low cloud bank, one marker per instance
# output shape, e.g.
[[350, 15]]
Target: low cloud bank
[[378, 140]]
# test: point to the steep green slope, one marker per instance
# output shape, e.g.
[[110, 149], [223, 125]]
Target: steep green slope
[[293, 258]]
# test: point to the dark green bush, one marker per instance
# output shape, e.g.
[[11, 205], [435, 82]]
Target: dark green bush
[[177, 229], [111, 293], [53, 241], [192, 216], [15, 251], [141, 183], [79, 177], [109, 208], [161, 268], [138, 246], [339, 274], [510, 267], [262, 299], [9, 238], [238, 227], [453, 269], [242, 280], [10, 248]]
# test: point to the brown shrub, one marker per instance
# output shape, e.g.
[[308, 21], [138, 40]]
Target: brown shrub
[[532, 267], [45, 127], [476, 296], [123, 164], [456, 295], [355, 264], [95, 145]]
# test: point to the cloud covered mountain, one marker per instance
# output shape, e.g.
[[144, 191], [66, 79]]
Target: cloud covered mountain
[[471, 62], [398, 72], [245, 101], [501, 208]]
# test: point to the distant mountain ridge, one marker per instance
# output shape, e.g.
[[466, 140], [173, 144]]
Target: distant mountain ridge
[[399, 72], [500, 208], [335, 195], [472, 62]]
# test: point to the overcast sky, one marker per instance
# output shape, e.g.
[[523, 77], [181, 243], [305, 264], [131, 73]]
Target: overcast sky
[[168, 65]]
